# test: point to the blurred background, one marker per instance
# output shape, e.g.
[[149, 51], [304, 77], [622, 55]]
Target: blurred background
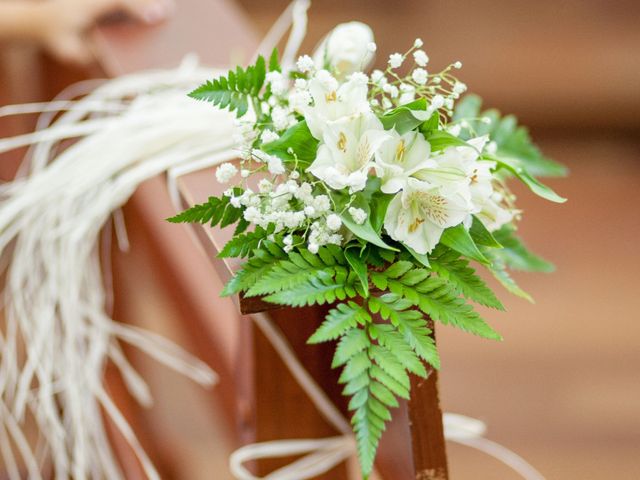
[[563, 389]]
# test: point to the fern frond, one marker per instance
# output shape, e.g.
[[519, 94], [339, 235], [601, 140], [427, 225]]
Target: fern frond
[[317, 291], [339, 320], [234, 90], [449, 265], [216, 210], [260, 263]]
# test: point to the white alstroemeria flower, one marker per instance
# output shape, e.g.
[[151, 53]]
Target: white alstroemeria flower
[[331, 101], [345, 155], [453, 168], [419, 214], [399, 157], [346, 49]]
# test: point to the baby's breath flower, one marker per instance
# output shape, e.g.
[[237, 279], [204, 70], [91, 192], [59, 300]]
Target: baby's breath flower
[[265, 186], [386, 103], [275, 165], [327, 80], [244, 173], [334, 222], [280, 117], [377, 76], [421, 58], [268, 136], [392, 90], [295, 175], [225, 172], [419, 75], [457, 65], [305, 64], [374, 102], [437, 101], [301, 83], [418, 43], [313, 248], [321, 203], [359, 216], [395, 60], [277, 81], [459, 88]]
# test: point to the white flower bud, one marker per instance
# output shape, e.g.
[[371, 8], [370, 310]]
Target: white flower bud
[[225, 172], [334, 222], [395, 60], [346, 49]]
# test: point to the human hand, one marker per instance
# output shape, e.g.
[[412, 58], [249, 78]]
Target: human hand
[[65, 22]]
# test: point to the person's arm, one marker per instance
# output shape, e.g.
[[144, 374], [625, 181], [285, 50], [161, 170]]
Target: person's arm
[[59, 25]]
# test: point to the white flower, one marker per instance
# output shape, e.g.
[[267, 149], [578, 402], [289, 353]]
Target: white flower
[[395, 60], [225, 172], [359, 216], [346, 48], [331, 102], [419, 75], [392, 90], [418, 43], [437, 102], [333, 222], [280, 117], [345, 155], [377, 76], [408, 94], [277, 81], [399, 157], [421, 58], [265, 186], [268, 136], [235, 201], [419, 214], [305, 64], [313, 248], [321, 203], [457, 65], [459, 88], [244, 173], [275, 165]]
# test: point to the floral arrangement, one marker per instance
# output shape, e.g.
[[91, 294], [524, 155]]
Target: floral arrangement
[[372, 193]]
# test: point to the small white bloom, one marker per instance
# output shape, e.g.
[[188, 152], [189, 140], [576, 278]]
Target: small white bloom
[[265, 186], [244, 173], [321, 203], [421, 58], [275, 165], [277, 81], [334, 222], [288, 240], [346, 49], [437, 101], [305, 64], [457, 65], [392, 90], [386, 103], [448, 103], [313, 248], [359, 216], [459, 88], [301, 83], [309, 211], [280, 117], [294, 175], [418, 43], [377, 76], [300, 99], [235, 201], [268, 136], [408, 94], [419, 75], [395, 60], [225, 172]]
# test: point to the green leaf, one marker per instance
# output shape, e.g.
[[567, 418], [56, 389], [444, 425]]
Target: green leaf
[[398, 269], [512, 141], [499, 271], [339, 321], [516, 255], [405, 117], [274, 64], [257, 266], [534, 185], [439, 140], [315, 291], [234, 90], [243, 244], [459, 239], [448, 265], [482, 236], [214, 211], [351, 343], [295, 142], [359, 266]]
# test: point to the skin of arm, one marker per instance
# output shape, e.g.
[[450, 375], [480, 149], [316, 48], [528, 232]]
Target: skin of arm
[[59, 25]]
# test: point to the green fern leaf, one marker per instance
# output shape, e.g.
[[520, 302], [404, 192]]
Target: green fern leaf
[[449, 265], [234, 90], [339, 320], [216, 210], [315, 291]]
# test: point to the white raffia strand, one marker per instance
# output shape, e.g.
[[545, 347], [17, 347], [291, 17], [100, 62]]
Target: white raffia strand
[[57, 338]]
